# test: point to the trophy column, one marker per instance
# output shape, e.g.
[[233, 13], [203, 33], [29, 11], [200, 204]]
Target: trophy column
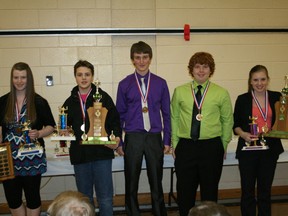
[[63, 134], [254, 130]]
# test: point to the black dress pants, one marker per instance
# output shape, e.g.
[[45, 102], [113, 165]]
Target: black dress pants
[[256, 167], [197, 163], [137, 146]]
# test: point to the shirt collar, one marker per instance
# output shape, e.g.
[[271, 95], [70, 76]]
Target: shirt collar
[[195, 84]]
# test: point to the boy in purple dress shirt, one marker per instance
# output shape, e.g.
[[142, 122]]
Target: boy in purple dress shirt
[[143, 102]]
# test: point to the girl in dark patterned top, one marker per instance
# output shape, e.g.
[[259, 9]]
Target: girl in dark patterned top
[[19, 106]]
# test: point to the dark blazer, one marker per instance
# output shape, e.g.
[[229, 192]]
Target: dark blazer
[[242, 111]]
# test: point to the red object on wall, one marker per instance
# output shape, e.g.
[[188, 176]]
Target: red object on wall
[[187, 32]]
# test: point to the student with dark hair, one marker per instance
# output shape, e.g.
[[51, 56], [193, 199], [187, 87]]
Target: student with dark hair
[[18, 107], [143, 103], [92, 163]]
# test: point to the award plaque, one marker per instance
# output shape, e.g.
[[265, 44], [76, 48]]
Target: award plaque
[[63, 134], [6, 162], [280, 127], [28, 147], [254, 130], [97, 134]]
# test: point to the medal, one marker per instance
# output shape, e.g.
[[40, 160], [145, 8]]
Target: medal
[[199, 117], [145, 109], [82, 127], [264, 115], [18, 130], [143, 97], [265, 128], [84, 136], [83, 109]]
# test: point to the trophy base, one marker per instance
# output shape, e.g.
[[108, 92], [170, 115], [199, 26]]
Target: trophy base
[[98, 141], [64, 138], [277, 134], [254, 148], [29, 149], [63, 153]]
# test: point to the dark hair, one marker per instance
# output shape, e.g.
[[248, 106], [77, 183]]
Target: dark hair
[[29, 93], [140, 47], [201, 58], [208, 208], [255, 69], [83, 63]]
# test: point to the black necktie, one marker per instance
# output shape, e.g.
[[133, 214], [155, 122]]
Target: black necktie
[[195, 125]]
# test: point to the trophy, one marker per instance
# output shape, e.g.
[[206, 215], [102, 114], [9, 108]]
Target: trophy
[[6, 162], [62, 133], [97, 134], [62, 129], [280, 127], [28, 147], [254, 130]]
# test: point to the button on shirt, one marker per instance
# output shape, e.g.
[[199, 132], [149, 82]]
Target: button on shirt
[[129, 106]]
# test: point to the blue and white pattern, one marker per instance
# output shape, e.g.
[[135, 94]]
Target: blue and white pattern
[[28, 165]]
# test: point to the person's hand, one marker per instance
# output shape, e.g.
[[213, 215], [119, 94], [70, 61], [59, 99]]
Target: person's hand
[[166, 149], [33, 134], [120, 151], [173, 153], [248, 137], [64, 132], [114, 146]]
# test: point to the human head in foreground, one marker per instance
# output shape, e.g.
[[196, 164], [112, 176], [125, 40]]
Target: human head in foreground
[[208, 208], [72, 203]]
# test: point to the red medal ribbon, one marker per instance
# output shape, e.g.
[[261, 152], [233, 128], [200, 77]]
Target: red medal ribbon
[[199, 106], [144, 98]]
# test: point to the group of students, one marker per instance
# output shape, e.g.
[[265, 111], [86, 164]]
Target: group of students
[[199, 127]]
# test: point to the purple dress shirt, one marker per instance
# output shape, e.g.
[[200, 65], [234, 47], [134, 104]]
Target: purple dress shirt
[[129, 105]]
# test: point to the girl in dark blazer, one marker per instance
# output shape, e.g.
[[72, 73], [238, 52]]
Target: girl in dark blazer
[[256, 166]]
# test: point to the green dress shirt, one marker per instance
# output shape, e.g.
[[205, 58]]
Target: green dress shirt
[[216, 110]]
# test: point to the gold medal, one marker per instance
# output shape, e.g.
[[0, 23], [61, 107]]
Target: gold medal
[[18, 130], [265, 128], [199, 117], [84, 136], [145, 109]]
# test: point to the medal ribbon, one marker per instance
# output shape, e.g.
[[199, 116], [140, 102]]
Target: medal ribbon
[[264, 115], [199, 106], [144, 98], [83, 104], [18, 112]]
